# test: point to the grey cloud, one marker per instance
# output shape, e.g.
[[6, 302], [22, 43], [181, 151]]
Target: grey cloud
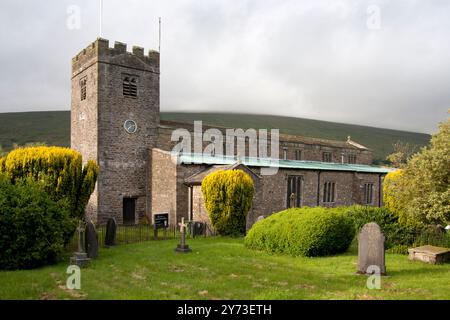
[[312, 59]]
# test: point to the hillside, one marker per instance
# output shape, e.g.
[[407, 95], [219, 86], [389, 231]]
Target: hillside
[[53, 127]]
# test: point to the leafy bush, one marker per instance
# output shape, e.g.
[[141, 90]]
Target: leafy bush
[[228, 196], [59, 168], [399, 236], [396, 233], [303, 231], [33, 227]]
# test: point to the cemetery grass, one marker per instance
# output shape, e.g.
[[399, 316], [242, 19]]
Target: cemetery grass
[[222, 268]]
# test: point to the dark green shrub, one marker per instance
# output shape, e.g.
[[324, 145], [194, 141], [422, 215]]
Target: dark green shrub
[[32, 225], [303, 231], [228, 196], [397, 234], [432, 235]]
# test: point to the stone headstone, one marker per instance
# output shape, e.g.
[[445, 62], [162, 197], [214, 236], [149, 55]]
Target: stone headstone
[[91, 241], [110, 237], [260, 218], [371, 249], [197, 228]]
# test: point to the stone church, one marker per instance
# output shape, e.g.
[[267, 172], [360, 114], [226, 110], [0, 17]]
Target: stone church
[[115, 120]]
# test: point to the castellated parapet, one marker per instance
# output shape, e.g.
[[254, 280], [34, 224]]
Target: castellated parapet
[[99, 51]]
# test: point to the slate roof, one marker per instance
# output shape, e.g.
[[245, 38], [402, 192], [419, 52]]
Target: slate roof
[[197, 178], [193, 158], [348, 144]]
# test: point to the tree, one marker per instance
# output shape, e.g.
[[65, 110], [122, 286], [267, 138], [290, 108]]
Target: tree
[[420, 194], [228, 196], [401, 154]]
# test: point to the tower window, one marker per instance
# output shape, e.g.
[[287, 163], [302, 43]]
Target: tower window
[[352, 158], [83, 82], [130, 86], [298, 154], [284, 153], [368, 193], [326, 157], [329, 192]]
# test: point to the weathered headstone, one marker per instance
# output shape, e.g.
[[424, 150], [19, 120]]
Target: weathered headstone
[[371, 249], [110, 237], [197, 228], [182, 247], [260, 218], [80, 257], [91, 241]]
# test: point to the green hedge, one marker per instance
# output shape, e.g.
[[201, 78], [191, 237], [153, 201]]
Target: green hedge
[[303, 231], [33, 227]]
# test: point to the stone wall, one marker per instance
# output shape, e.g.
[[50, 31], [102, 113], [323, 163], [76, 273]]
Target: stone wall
[[164, 185]]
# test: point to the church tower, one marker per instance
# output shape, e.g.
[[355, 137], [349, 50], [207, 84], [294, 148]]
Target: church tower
[[114, 120]]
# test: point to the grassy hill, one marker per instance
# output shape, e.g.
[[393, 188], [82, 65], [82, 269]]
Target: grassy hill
[[53, 128]]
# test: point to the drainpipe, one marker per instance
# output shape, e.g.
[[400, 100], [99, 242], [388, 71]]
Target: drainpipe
[[379, 190], [318, 188]]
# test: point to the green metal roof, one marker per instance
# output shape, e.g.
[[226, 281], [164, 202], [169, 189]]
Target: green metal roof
[[194, 158]]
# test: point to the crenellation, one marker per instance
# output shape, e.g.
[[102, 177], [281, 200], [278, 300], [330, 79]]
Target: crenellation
[[99, 49], [120, 47], [138, 51]]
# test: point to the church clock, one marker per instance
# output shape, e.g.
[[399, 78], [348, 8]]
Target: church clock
[[130, 126]]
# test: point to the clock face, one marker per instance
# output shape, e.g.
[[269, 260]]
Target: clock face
[[130, 126]]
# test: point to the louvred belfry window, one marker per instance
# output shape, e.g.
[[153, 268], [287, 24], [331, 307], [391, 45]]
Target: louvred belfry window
[[130, 86]]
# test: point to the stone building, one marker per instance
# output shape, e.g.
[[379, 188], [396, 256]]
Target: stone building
[[115, 121]]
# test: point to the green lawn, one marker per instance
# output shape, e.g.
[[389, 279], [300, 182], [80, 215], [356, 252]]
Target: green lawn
[[222, 268]]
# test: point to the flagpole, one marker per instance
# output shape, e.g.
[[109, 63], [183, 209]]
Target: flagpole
[[159, 45], [101, 19]]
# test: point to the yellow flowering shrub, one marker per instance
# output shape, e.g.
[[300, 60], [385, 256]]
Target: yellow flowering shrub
[[59, 169], [228, 196]]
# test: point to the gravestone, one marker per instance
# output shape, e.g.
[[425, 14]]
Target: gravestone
[[182, 247], [110, 237], [197, 228], [430, 254], [91, 241], [80, 257], [260, 218], [371, 249]]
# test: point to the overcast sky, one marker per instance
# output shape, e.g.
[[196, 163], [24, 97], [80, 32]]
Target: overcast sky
[[378, 63]]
